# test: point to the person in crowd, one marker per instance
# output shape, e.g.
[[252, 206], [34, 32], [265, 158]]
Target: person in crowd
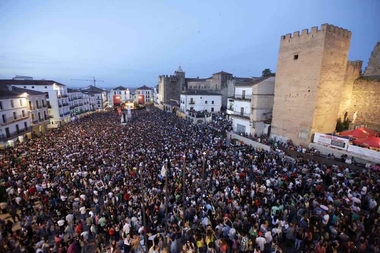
[[96, 183]]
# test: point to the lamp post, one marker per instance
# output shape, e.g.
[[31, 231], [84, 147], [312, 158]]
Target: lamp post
[[143, 209], [203, 175], [166, 200], [183, 187]]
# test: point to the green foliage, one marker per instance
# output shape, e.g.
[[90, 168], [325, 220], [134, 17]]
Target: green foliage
[[342, 125], [267, 72]]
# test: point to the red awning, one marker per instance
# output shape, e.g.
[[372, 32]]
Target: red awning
[[372, 141], [359, 133]]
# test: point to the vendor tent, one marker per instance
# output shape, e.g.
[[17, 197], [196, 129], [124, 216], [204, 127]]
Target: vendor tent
[[372, 141], [359, 133]]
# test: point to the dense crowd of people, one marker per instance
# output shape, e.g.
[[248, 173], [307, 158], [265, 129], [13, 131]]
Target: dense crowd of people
[[162, 184]]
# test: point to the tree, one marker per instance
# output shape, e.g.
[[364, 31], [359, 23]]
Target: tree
[[267, 72]]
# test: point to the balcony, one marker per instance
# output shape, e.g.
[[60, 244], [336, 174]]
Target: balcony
[[59, 105], [10, 120], [6, 137], [191, 103], [243, 97], [241, 115], [49, 106]]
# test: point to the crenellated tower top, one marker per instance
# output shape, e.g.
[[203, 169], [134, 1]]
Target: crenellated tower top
[[306, 33]]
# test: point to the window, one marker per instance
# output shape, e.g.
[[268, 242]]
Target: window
[[32, 87], [12, 105], [4, 118], [1, 105], [295, 57], [24, 87], [212, 102], [212, 109], [45, 87], [14, 115], [23, 113], [25, 125], [20, 102], [206, 102]]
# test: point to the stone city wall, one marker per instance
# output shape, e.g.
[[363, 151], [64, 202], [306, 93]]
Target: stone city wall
[[366, 102], [353, 72]]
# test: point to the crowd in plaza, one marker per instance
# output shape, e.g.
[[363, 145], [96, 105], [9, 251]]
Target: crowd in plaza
[[162, 184]]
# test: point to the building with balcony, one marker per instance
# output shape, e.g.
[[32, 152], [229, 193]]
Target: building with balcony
[[57, 100], [79, 102], [251, 106], [144, 95], [199, 101], [98, 97], [119, 95], [15, 122], [37, 108]]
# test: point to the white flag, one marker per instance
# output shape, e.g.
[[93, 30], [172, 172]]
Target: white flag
[[163, 171]]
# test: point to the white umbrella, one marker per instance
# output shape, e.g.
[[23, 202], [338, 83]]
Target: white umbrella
[[323, 207], [151, 238], [356, 200]]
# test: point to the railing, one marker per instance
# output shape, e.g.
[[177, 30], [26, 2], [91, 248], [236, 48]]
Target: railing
[[243, 97], [241, 114], [49, 106], [31, 108], [9, 120], [191, 103], [59, 105], [5, 137]]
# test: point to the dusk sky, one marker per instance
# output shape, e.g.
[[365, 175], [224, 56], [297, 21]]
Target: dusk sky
[[131, 43]]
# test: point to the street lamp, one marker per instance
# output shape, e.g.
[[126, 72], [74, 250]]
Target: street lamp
[[183, 187], [143, 208], [166, 200], [203, 175]]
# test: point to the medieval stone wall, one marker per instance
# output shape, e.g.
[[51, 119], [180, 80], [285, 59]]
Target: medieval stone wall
[[373, 67], [306, 75], [365, 102], [353, 72]]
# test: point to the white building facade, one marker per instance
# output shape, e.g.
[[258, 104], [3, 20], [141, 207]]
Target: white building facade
[[15, 121], [241, 108], [119, 95], [196, 100], [98, 97], [79, 103], [57, 100], [144, 95], [251, 107]]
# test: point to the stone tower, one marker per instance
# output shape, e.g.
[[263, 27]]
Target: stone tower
[[170, 87], [310, 76], [373, 67]]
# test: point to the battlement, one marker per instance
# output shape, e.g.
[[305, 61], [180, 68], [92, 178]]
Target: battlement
[[355, 64], [314, 30]]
